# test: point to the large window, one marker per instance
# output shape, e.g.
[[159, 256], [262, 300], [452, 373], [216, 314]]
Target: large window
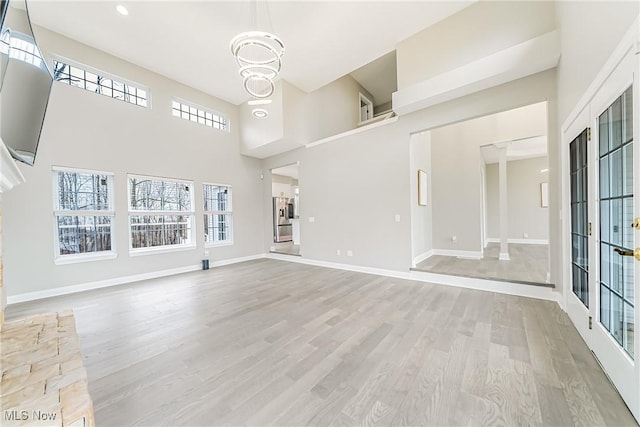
[[199, 115], [98, 82], [217, 214], [160, 213], [83, 210]]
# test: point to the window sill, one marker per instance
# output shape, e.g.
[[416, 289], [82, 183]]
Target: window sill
[[74, 259], [217, 244], [161, 250]]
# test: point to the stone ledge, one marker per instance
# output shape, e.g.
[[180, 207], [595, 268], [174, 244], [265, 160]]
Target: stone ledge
[[42, 378]]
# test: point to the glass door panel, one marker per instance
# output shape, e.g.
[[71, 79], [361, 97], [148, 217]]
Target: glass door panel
[[578, 167], [617, 299]]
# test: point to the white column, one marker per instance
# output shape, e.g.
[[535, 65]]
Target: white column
[[504, 209]]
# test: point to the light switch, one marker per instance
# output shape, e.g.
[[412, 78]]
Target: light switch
[[397, 217], [349, 253], [312, 219]]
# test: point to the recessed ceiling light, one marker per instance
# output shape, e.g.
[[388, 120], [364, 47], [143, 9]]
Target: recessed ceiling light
[[544, 170], [122, 10], [260, 113]]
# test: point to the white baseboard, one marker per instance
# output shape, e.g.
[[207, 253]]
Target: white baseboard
[[509, 288], [30, 296], [237, 260], [458, 254], [338, 266], [519, 241], [417, 260]]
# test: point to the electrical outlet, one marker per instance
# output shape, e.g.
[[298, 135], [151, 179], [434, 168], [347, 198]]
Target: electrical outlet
[[338, 252], [454, 238], [312, 219], [349, 253], [397, 217], [206, 253], [525, 235]]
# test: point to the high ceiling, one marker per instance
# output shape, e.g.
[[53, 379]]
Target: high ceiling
[[188, 41]]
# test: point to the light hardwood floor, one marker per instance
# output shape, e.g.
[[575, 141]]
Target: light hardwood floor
[[274, 343], [529, 264]]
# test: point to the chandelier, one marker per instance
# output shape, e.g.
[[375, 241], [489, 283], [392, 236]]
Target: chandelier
[[259, 58]]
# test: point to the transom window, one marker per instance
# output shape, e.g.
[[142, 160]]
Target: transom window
[[84, 212], [199, 115], [217, 214], [21, 47], [74, 75], [160, 213]]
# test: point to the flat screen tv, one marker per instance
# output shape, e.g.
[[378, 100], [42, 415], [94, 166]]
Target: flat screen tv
[[25, 83]]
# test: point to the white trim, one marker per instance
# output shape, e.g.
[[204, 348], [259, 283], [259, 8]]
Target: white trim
[[530, 57], [80, 170], [30, 296], [160, 178], [379, 117], [504, 256], [160, 249], [218, 244], [103, 73], [509, 288], [352, 132], [228, 212], [237, 260], [519, 241], [425, 255], [204, 109], [65, 290], [85, 257], [458, 253], [348, 267], [60, 259], [362, 98]]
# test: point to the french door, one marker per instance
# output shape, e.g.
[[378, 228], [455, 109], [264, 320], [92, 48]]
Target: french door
[[604, 230]]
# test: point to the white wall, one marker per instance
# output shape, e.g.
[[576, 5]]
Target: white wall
[[334, 108], [526, 215], [590, 30], [455, 159], [354, 186], [421, 216], [86, 130], [481, 29], [457, 179]]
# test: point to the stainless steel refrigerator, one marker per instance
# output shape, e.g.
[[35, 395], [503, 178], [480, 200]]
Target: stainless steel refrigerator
[[282, 215]]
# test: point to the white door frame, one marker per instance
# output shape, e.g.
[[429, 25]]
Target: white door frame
[[602, 90]]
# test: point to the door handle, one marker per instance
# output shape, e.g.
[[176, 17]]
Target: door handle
[[636, 223], [623, 252]]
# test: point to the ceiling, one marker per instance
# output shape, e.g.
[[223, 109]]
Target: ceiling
[[188, 41], [526, 148]]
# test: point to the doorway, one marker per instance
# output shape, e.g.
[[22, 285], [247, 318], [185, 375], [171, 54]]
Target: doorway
[[601, 170], [285, 203], [472, 167]]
